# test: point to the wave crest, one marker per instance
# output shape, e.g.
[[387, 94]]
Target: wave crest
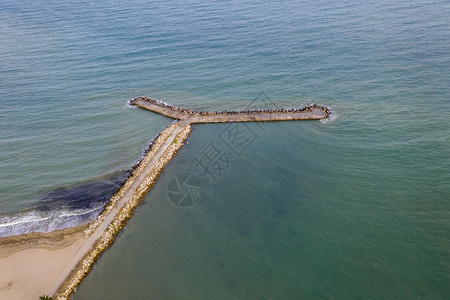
[[46, 221]]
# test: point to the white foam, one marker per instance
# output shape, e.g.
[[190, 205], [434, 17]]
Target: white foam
[[23, 218], [333, 116], [45, 221], [128, 105]]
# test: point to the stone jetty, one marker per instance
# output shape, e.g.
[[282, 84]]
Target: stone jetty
[[312, 112], [102, 232]]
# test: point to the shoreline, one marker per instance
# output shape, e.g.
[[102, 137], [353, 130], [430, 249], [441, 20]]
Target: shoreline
[[52, 240]]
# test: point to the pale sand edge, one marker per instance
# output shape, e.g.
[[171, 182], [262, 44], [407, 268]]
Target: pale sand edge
[[41, 240], [30, 263]]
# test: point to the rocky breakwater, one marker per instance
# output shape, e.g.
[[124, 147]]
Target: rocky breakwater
[[184, 113], [172, 144], [136, 170]]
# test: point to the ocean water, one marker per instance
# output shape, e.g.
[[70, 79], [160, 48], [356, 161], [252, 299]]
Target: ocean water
[[353, 207]]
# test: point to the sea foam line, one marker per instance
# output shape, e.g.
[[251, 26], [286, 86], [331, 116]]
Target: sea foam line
[[48, 221]]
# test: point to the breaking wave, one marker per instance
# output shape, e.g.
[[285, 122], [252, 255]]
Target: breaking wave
[[63, 208], [333, 116], [45, 221]]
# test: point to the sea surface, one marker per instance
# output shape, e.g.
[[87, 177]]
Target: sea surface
[[356, 206]]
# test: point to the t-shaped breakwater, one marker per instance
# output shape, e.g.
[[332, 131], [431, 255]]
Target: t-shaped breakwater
[[102, 232]]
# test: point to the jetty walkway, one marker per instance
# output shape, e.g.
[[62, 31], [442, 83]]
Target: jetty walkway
[[313, 112], [102, 232]]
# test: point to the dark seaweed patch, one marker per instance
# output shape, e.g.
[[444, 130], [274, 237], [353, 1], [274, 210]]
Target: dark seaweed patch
[[84, 196]]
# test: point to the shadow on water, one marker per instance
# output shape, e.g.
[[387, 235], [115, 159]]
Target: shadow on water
[[83, 196]]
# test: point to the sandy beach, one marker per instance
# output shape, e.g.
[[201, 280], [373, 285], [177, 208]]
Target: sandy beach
[[31, 264]]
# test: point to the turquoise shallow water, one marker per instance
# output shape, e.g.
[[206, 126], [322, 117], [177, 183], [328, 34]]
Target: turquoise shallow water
[[349, 208], [286, 220]]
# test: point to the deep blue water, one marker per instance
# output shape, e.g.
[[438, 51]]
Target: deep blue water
[[354, 207]]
